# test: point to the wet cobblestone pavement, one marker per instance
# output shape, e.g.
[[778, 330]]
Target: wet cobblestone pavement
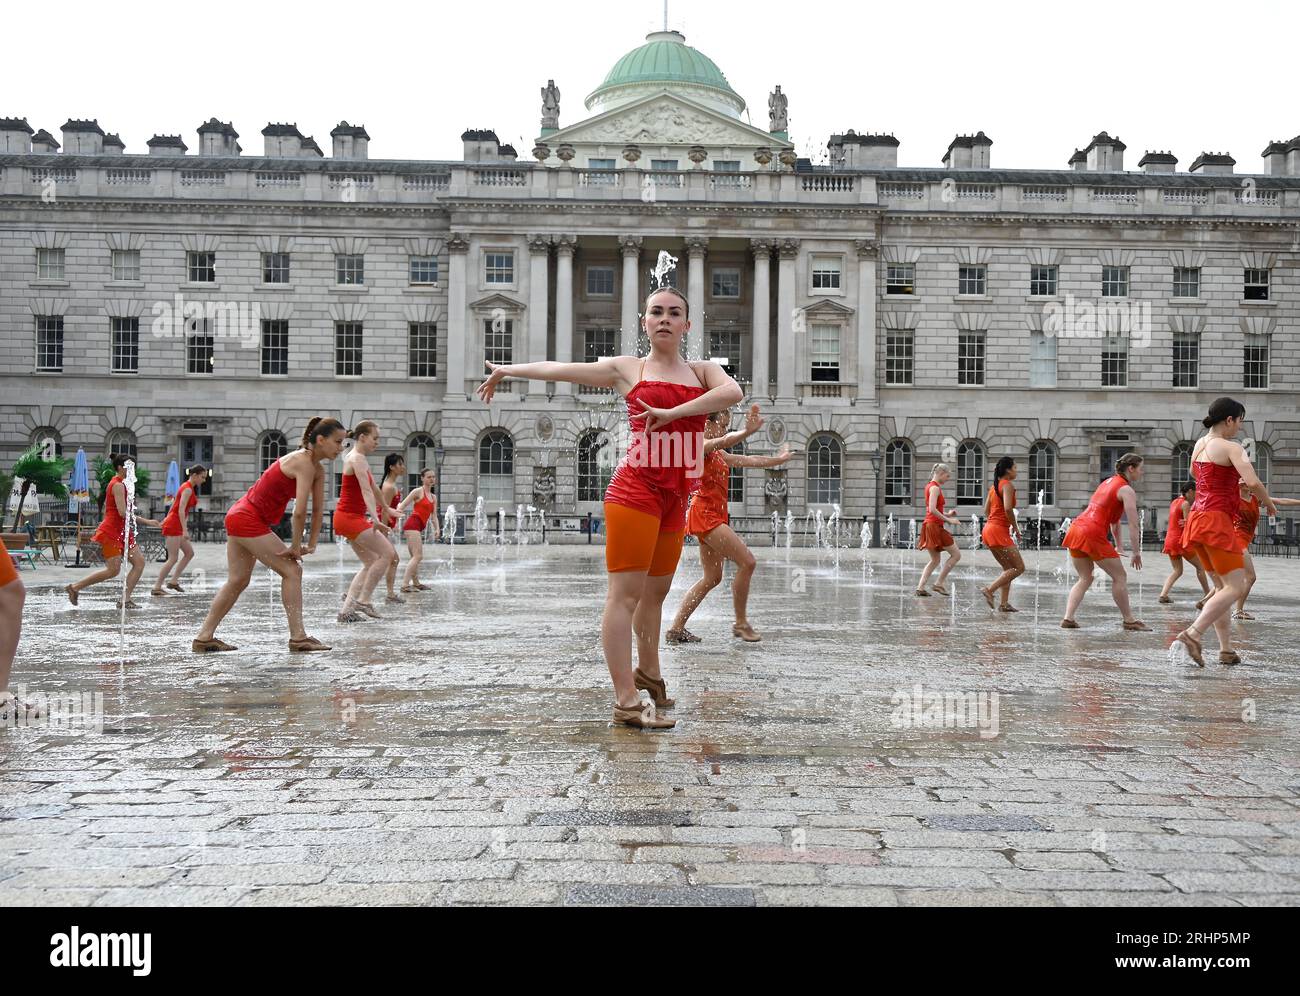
[[459, 750]]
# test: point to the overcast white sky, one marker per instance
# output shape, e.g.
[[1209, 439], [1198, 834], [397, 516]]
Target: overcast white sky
[[1040, 78]]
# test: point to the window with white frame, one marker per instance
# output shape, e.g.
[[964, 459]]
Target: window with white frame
[[825, 459], [125, 347], [421, 455], [900, 278], [726, 166], [422, 349], [898, 473], [599, 343], [824, 352], [1263, 464], [49, 264], [496, 468], [275, 267], [349, 270], [122, 441], [1187, 359], [499, 340], [45, 432], [826, 273], [972, 280], [271, 447], [348, 348], [724, 348], [600, 281], [595, 465], [1114, 361], [970, 474], [499, 267], [736, 477], [200, 346], [275, 347], [1042, 281], [1114, 281], [423, 270], [664, 165], [970, 358], [201, 267], [900, 345], [49, 343], [1187, 281], [1042, 360], [125, 264], [1181, 468], [726, 282], [1255, 361], [1256, 285], [1042, 472]]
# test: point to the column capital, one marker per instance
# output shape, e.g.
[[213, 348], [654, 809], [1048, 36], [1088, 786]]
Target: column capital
[[457, 242], [697, 245], [539, 245], [867, 248], [565, 244], [789, 248], [761, 247], [630, 245]]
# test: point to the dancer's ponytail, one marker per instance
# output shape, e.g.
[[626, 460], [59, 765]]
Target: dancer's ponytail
[[318, 427]]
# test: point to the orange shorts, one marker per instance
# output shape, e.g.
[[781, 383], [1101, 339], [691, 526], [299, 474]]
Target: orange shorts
[[1082, 543], [350, 525], [8, 573], [110, 549], [1221, 562], [636, 541]]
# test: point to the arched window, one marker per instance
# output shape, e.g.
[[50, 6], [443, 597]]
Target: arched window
[[1181, 469], [825, 459], [1263, 461], [270, 448], [1042, 472], [898, 473], [595, 464], [46, 432], [496, 468], [122, 441], [421, 454], [970, 473]]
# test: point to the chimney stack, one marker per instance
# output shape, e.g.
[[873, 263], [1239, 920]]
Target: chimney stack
[[15, 136], [968, 152], [218, 138], [1213, 164], [1158, 162], [1105, 154], [350, 141], [83, 138]]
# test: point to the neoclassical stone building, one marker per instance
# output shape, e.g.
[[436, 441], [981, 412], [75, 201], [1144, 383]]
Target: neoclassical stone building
[[200, 305]]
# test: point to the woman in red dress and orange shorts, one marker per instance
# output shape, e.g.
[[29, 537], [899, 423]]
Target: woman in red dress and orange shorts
[[707, 520], [667, 399], [1089, 541], [176, 531], [359, 518], [1174, 547], [297, 477], [934, 537], [424, 508], [111, 537], [1000, 513]]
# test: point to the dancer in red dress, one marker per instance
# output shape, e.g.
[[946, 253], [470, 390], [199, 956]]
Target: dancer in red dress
[[176, 531], [1174, 547], [297, 477], [390, 492], [13, 595], [111, 537], [935, 539], [1089, 541], [1220, 467], [668, 399], [1001, 524], [359, 517], [707, 520], [424, 507], [1245, 525]]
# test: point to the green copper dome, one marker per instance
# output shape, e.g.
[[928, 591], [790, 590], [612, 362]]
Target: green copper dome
[[665, 60]]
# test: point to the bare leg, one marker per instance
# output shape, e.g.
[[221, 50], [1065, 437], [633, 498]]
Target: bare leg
[[391, 574], [954, 558], [173, 554], [1175, 572], [239, 570], [1217, 609], [724, 540], [112, 567], [376, 553], [187, 554], [625, 589], [1082, 567], [711, 561], [136, 557], [1250, 578], [929, 568], [414, 544], [12, 597], [646, 619], [1013, 565], [1114, 568]]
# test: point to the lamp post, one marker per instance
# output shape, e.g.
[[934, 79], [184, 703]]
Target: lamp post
[[875, 470]]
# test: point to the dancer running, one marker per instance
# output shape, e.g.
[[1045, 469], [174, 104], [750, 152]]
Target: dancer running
[[296, 476], [390, 497], [1174, 548], [1220, 467], [359, 518], [934, 538], [667, 399], [707, 519], [176, 531], [1089, 541], [1001, 524], [424, 506], [111, 535]]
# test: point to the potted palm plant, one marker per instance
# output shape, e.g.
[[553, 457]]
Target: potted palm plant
[[45, 477]]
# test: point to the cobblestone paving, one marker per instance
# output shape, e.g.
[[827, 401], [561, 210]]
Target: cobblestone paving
[[459, 751]]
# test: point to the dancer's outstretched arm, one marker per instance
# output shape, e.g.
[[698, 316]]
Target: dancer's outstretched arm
[[1249, 477], [609, 372], [753, 422], [747, 460]]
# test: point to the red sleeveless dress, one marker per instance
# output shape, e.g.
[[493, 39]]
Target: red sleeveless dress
[[419, 517], [350, 518], [1089, 534], [184, 501], [1174, 535], [934, 535], [997, 531], [111, 532], [1213, 519], [264, 504], [708, 508], [1247, 520]]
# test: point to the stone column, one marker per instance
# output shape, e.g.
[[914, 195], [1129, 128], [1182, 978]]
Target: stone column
[[564, 247], [868, 254], [539, 255], [457, 279], [696, 248], [762, 313], [786, 351], [629, 321]]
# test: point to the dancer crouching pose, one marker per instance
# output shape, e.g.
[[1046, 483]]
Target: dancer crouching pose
[[176, 531], [1000, 511], [668, 399], [424, 506], [934, 538], [707, 519], [1174, 547], [111, 535], [1088, 540], [298, 476], [359, 518]]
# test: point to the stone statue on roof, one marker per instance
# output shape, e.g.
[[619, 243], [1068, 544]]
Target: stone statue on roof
[[778, 119], [550, 105]]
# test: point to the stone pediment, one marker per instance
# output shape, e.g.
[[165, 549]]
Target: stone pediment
[[663, 118], [494, 301], [827, 308]]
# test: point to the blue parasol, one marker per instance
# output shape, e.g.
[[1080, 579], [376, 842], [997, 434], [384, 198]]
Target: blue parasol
[[79, 482], [173, 483]]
